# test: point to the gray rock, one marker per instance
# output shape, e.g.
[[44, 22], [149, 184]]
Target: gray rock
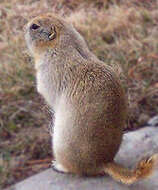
[[135, 146], [153, 121]]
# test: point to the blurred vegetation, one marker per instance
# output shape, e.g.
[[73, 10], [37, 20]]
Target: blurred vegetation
[[122, 33]]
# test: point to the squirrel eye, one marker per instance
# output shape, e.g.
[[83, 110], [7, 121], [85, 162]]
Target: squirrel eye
[[34, 26]]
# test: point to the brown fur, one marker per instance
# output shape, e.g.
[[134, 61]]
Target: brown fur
[[87, 98]]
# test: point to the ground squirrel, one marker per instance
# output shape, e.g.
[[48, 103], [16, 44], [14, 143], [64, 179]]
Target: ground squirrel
[[87, 98]]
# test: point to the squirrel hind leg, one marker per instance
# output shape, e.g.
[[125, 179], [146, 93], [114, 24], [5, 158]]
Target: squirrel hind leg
[[59, 167]]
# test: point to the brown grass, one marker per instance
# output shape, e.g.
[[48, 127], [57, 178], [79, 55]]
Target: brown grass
[[121, 33]]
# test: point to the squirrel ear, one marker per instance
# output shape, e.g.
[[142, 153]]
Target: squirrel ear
[[52, 34]]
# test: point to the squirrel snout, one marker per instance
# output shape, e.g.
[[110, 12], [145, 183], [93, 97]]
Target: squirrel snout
[[25, 28]]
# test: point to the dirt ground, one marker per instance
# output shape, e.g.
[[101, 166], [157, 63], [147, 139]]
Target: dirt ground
[[124, 34]]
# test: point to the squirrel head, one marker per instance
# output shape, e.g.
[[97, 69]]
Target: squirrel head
[[43, 32], [49, 33]]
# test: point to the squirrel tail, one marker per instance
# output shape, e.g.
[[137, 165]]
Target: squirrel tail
[[143, 170]]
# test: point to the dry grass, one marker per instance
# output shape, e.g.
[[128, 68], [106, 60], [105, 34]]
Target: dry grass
[[122, 33]]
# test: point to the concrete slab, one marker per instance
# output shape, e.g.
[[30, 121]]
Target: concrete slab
[[135, 145]]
